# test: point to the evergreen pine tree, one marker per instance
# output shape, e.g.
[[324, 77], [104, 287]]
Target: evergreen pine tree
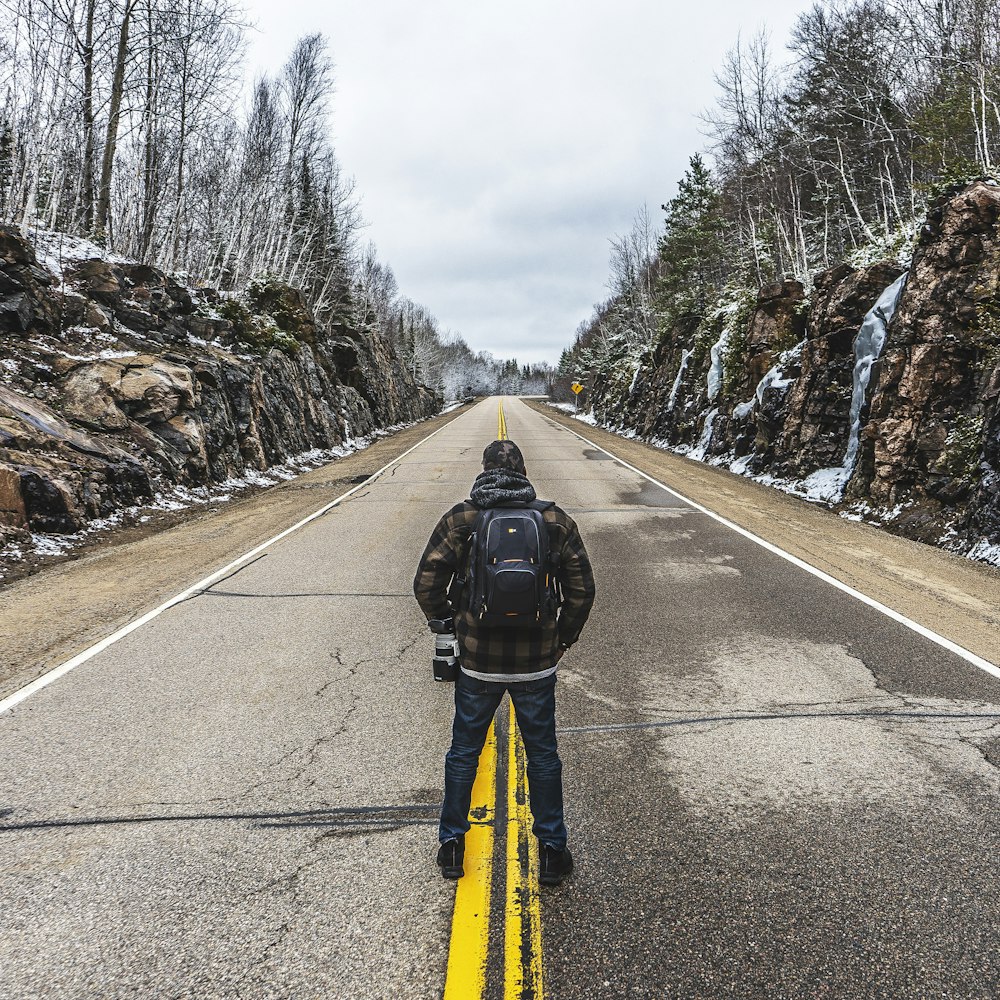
[[692, 250]]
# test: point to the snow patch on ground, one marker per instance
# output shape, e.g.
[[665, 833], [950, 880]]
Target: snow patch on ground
[[984, 551], [586, 418], [825, 485]]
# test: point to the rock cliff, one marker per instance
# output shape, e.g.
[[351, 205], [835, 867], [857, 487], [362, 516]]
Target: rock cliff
[[118, 381], [878, 392]]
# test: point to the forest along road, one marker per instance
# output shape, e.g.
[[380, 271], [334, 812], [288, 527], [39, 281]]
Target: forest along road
[[773, 789]]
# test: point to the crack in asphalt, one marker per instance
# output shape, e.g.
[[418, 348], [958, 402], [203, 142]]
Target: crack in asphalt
[[288, 881], [968, 739], [314, 751], [268, 782], [316, 748], [356, 819], [336, 656], [310, 753], [288, 884], [297, 767], [773, 717], [229, 576], [236, 593], [352, 498], [291, 882]]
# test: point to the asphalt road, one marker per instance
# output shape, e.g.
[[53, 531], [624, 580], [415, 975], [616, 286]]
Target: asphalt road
[[773, 790]]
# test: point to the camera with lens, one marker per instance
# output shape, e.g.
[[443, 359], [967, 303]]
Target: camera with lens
[[445, 648]]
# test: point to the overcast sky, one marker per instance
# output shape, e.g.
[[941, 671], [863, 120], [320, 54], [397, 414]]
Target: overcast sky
[[497, 148]]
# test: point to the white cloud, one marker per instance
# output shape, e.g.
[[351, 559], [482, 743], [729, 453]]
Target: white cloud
[[498, 147]]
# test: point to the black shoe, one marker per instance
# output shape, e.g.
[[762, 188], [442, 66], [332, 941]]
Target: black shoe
[[450, 856], [553, 865]]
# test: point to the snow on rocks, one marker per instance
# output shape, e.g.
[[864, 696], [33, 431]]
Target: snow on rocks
[[59, 251], [122, 388]]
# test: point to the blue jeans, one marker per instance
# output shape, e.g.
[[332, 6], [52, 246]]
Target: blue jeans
[[476, 703]]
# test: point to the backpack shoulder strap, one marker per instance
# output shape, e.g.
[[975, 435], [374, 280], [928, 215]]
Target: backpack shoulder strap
[[551, 556]]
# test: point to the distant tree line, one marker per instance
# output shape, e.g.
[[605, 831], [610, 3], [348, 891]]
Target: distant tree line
[[826, 154], [128, 122], [438, 358]]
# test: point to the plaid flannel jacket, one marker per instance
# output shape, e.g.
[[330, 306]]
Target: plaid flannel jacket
[[505, 652]]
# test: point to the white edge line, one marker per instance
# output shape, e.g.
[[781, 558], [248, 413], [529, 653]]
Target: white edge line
[[952, 647], [64, 668]]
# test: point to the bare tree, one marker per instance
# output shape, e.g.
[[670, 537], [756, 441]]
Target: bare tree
[[122, 52]]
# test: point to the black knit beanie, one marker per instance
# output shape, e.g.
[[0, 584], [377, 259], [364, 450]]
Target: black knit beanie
[[503, 455]]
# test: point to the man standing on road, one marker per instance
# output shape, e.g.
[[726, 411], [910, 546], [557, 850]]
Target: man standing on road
[[521, 659]]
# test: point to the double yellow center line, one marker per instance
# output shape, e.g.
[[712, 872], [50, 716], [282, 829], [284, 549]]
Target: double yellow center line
[[523, 918], [468, 955], [470, 922]]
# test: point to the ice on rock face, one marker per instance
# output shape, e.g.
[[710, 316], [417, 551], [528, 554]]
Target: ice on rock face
[[685, 356], [700, 450], [829, 484], [772, 378], [775, 377], [717, 369], [635, 380], [867, 348], [730, 313]]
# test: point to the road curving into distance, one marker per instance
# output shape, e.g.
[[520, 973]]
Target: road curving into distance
[[773, 788]]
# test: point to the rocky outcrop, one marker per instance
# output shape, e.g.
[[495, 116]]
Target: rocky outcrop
[[769, 391], [117, 381], [816, 420], [924, 448]]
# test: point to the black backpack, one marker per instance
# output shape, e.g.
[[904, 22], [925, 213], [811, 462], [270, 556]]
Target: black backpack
[[511, 574]]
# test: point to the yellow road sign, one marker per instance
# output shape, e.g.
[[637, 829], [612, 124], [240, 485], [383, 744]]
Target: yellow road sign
[[577, 388]]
